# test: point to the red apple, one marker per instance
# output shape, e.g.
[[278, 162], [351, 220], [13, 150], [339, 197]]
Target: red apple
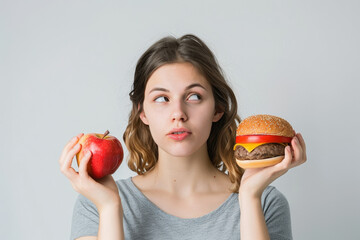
[[107, 153]]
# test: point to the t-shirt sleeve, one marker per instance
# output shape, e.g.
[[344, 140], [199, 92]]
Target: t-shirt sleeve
[[85, 219], [277, 214]]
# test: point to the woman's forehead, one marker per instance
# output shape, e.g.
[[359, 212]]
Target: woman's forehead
[[176, 76]]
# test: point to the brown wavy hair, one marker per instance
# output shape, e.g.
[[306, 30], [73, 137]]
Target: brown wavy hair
[[143, 151]]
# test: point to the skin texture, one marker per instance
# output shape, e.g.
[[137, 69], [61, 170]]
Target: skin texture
[[183, 183], [177, 107]]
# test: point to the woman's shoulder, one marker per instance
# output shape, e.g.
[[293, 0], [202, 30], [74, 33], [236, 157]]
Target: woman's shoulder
[[123, 181], [272, 192], [128, 190], [273, 197], [125, 185], [131, 184]]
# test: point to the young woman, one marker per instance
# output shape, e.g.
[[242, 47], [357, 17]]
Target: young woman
[[180, 136]]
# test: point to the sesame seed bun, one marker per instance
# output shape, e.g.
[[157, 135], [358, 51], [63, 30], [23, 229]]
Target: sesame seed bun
[[265, 124]]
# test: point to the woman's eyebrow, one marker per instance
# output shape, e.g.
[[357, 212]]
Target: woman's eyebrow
[[195, 85], [187, 88], [159, 89]]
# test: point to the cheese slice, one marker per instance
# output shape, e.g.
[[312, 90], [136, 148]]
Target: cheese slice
[[251, 146], [248, 146]]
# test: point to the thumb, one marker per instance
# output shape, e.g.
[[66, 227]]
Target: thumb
[[83, 168], [284, 165]]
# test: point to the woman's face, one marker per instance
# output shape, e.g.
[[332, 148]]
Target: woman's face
[[179, 108]]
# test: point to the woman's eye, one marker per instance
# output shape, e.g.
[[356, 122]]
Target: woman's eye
[[194, 97], [161, 99]]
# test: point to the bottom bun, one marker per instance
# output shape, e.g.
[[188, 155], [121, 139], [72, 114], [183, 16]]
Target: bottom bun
[[259, 163]]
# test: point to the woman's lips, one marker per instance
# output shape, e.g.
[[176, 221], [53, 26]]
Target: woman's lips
[[179, 135]]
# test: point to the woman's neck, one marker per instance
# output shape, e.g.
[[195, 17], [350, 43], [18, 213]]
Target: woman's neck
[[184, 176]]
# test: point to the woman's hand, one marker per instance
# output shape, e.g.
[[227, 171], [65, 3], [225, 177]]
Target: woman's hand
[[102, 192], [254, 181]]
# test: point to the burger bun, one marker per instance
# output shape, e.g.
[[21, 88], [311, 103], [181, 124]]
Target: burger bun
[[260, 163], [265, 124]]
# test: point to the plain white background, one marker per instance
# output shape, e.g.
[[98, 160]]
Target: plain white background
[[67, 67]]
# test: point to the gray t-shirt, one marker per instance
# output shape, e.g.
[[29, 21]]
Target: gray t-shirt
[[144, 220]]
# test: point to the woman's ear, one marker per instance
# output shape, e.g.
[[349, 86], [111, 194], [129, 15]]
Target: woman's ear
[[143, 116], [217, 116]]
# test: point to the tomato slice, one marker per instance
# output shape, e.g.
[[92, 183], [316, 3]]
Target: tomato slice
[[262, 139]]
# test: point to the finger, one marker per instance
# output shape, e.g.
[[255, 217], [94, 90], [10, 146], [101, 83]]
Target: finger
[[70, 173], [84, 162], [71, 144], [66, 168], [286, 162], [303, 145], [73, 141], [68, 158], [299, 156], [302, 141], [73, 151]]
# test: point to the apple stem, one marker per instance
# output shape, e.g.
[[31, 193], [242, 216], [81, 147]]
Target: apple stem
[[105, 134]]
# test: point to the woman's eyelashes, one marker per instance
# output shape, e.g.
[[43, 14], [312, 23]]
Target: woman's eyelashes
[[161, 99], [191, 97], [194, 97]]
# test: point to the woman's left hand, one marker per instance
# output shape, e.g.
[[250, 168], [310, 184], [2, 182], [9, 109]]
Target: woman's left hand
[[255, 180]]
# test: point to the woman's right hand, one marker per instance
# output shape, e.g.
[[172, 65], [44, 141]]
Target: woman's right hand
[[103, 192], [255, 180]]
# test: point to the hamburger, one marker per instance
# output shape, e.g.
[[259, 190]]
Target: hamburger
[[261, 141]]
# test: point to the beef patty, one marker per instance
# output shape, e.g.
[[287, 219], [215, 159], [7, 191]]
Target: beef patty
[[267, 150]]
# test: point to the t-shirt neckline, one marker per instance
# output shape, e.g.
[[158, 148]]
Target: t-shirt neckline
[[153, 207]]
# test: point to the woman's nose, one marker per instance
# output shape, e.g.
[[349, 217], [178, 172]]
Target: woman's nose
[[178, 112]]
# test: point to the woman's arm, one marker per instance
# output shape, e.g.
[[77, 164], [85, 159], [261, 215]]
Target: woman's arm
[[252, 221], [103, 193], [111, 223], [253, 183]]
